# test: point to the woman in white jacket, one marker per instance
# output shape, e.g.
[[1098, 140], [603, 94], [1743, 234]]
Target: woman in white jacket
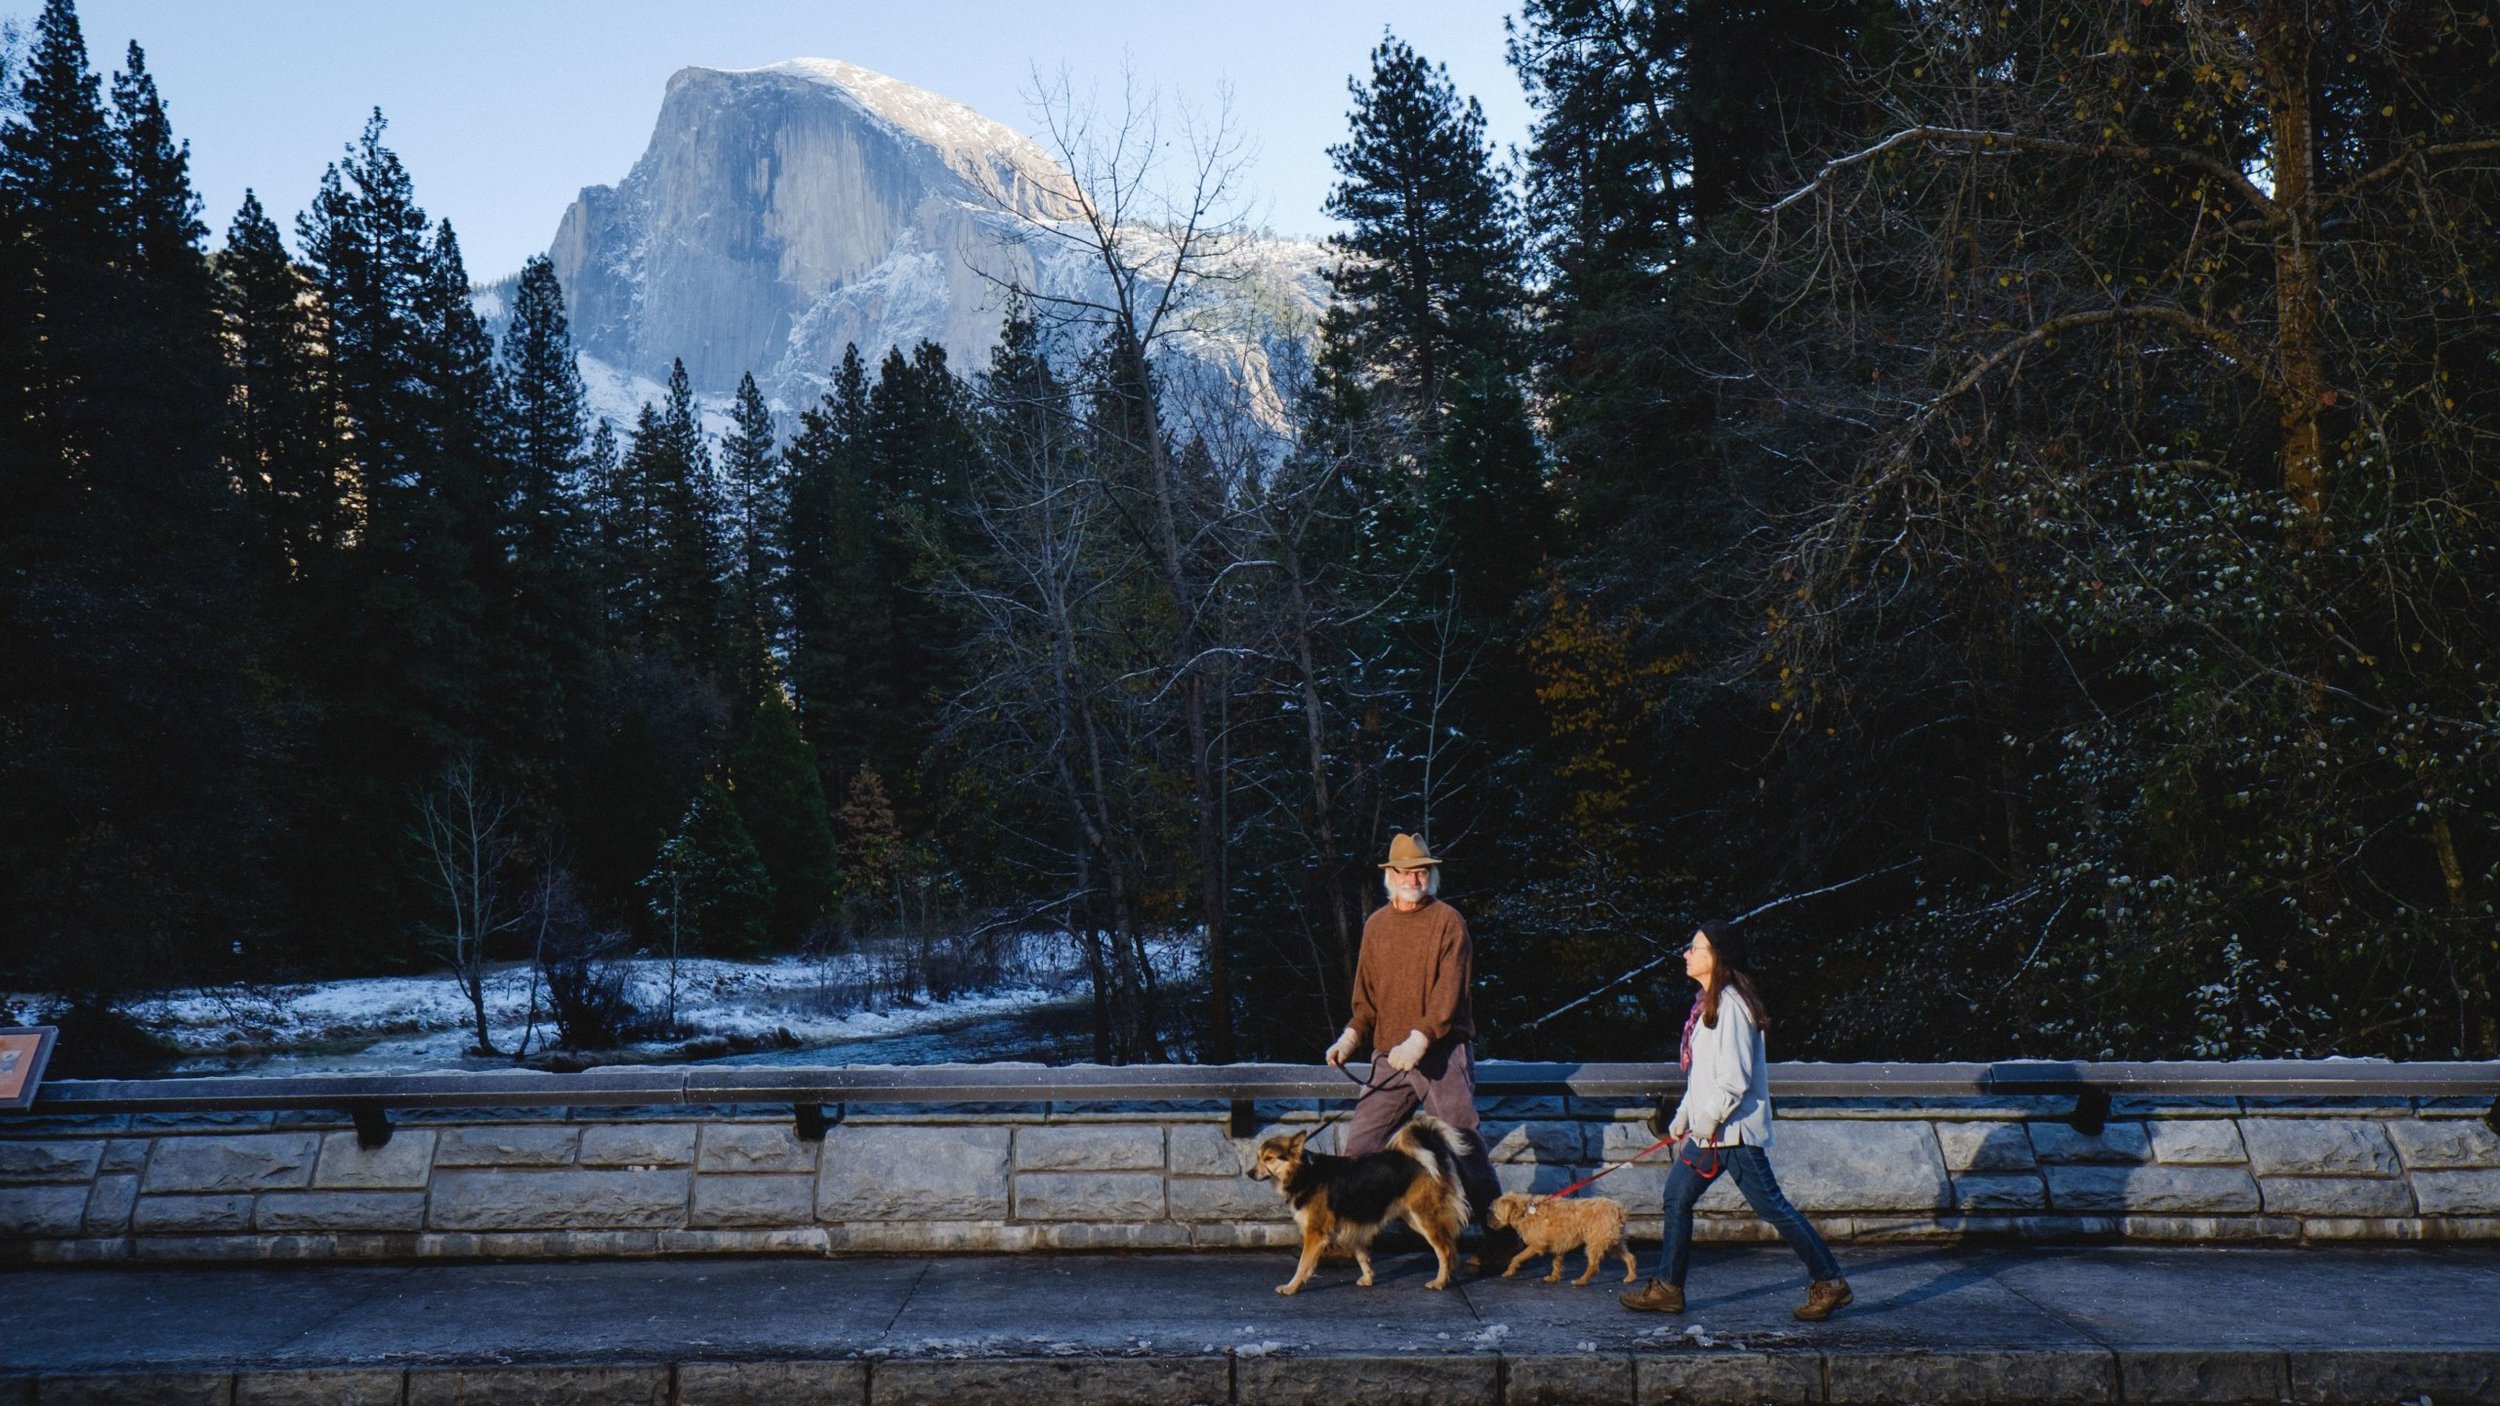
[[1724, 1126]]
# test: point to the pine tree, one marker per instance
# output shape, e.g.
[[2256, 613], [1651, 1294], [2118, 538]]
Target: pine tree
[[781, 798], [554, 626], [709, 890], [841, 628], [668, 582], [755, 500], [1429, 268], [296, 474], [129, 806]]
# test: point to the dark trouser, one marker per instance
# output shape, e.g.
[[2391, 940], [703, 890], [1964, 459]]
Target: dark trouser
[[1751, 1167], [1445, 1084]]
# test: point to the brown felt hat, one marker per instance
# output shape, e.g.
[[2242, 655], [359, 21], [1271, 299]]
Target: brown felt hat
[[1408, 852]]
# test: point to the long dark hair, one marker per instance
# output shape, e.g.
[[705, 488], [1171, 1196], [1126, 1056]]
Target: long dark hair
[[1727, 952]]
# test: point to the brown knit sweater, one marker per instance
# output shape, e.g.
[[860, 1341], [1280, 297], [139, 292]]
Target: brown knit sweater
[[1416, 973]]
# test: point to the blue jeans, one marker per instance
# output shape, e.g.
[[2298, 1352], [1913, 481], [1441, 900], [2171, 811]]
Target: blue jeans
[[1751, 1167]]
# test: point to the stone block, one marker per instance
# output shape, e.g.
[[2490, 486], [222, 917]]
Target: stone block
[[1710, 1379], [567, 1200], [398, 1165], [1550, 1143], [1079, 1147], [897, 1172], [1126, 1235], [1999, 1192], [202, 1122], [109, 1204], [245, 1162], [125, 1154], [290, 1211], [2212, 1229], [1621, 1142], [940, 1237], [2465, 1192], [1968, 1378], [1985, 1147], [1848, 1165], [638, 1145], [2336, 1196], [1095, 1196], [1523, 1108], [2190, 1190], [2445, 1142], [2320, 1229], [42, 1212], [539, 1386], [49, 1161], [2198, 1142], [1412, 1380], [772, 1383], [2442, 1375], [2173, 1105], [191, 1215], [1224, 1199], [328, 1387], [2201, 1375], [2319, 1147], [135, 1389], [512, 1145], [1133, 1381], [760, 1147], [538, 1244], [2115, 1142], [787, 1199], [1204, 1150], [1568, 1380], [786, 1240], [1245, 1235]]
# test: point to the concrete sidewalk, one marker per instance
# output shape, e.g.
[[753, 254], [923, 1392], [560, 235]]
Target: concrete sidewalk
[[1931, 1324]]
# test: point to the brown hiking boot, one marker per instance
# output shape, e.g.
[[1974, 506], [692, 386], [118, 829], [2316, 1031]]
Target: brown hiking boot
[[1654, 1297], [1822, 1296]]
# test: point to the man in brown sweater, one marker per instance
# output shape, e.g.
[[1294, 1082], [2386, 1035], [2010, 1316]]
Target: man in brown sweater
[[1413, 1005]]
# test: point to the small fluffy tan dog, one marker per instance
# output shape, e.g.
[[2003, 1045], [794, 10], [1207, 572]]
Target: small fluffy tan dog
[[1556, 1228]]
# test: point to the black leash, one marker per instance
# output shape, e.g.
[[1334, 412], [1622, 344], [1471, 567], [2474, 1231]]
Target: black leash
[[1368, 1089]]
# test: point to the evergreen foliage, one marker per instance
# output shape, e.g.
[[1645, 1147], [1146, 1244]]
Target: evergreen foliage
[[709, 889], [781, 800]]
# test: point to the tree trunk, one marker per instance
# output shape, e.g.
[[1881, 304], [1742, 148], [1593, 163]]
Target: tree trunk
[[2282, 39]]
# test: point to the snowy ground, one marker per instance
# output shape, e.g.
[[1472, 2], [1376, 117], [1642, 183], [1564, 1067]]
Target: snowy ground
[[837, 1009]]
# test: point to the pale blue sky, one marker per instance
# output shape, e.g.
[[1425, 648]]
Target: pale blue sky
[[503, 109]]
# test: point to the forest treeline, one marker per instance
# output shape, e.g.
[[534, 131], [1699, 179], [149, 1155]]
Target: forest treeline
[[2003, 494]]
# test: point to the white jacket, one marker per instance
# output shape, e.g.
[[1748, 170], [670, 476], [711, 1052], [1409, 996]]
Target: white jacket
[[1726, 1098]]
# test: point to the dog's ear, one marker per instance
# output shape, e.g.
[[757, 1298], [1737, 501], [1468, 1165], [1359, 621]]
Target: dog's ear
[[1293, 1145]]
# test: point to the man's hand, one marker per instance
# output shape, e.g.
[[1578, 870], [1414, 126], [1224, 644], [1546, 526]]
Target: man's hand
[[1410, 1051], [1677, 1128], [1343, 1050]]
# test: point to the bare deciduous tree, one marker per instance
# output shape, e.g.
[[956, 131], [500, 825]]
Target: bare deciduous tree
[[467, 831]]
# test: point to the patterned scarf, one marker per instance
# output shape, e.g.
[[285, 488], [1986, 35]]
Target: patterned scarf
[[1684, 1052]]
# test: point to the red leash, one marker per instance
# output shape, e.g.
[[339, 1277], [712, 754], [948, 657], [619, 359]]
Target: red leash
[[1610, 1171], [1628, 1162]]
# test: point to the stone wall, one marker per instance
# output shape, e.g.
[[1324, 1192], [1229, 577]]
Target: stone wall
[[1167, 1176]]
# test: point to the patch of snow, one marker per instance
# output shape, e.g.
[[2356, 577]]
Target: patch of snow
[[1490, 1338], [395, 1024]]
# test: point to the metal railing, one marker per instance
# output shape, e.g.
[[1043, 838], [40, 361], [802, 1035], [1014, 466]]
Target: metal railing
[[820, 1096]]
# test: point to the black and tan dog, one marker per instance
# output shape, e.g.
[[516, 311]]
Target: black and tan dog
[[1345, 1201]]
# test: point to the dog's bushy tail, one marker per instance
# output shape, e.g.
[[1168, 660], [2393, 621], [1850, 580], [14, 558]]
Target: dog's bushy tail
[[1438, 1147]]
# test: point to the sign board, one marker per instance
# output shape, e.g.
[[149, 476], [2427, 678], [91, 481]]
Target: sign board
[[23, 1051]]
